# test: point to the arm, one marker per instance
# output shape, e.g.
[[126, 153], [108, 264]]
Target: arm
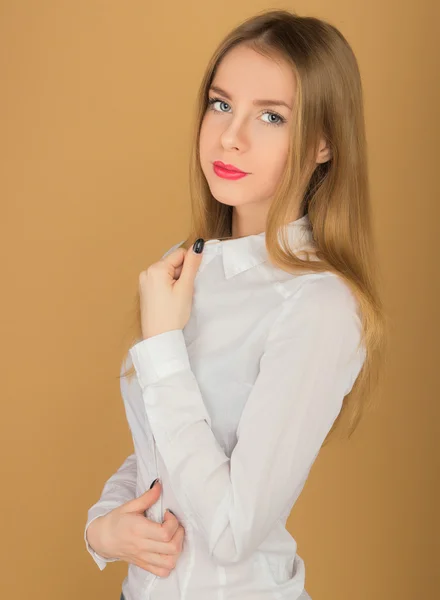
[[120, 488], [310, 363]]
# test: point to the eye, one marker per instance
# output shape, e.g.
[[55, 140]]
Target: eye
[[281, 120], [272, 114]]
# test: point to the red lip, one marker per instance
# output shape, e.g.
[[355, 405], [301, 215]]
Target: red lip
[[219, 163]]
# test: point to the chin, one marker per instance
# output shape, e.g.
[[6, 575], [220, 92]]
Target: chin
[[228, 199]]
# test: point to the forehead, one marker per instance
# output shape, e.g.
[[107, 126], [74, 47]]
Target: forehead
[[246, 73]]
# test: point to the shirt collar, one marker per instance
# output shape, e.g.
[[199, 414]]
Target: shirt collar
[[240, 254]]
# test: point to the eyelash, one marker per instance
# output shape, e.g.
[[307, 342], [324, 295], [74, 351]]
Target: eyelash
[[212, 101]]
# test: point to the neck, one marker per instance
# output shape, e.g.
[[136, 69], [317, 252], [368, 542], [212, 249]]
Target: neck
[[246, 220]]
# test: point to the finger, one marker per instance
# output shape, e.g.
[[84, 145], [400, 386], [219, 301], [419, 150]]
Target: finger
[[190, 266], [175, 258], [150, 567], [174, 262], [167, 561], [179, 537], [159, 537], [150, 530], [170, 526], [171, 547]]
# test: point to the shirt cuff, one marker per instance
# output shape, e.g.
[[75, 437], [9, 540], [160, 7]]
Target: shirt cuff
[[99, 560], [159, 356]]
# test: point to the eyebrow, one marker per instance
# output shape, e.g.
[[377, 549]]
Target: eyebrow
[[219, 90]]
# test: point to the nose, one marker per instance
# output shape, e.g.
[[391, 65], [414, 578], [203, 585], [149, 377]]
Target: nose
[[234, 136]]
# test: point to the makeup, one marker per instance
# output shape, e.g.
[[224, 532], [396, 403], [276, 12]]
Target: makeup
[[227, 173]]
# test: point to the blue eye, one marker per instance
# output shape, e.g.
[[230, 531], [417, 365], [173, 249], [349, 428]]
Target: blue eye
[[281, 121]]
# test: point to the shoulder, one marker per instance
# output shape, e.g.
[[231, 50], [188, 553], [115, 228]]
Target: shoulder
[[321, 318], [320, 301], [326, 292]]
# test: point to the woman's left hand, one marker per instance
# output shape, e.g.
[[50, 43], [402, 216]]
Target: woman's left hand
[[166, 292]]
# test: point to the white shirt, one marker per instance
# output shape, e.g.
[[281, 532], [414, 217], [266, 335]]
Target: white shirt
[[230, 413]]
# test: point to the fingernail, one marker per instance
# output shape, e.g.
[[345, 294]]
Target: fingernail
[[198, 245], [154, 482], [169, 510]]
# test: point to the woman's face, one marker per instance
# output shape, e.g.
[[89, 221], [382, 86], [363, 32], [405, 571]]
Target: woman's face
[[237, 129]]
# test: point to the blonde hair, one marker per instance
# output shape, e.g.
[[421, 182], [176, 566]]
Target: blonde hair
[[334, 194]]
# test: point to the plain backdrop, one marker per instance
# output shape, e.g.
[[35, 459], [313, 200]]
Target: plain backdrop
[[96, 109]]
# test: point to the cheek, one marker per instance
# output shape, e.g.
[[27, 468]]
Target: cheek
[[202, 138], [273, 161], [204, 147], [280, 164], [205, 134]]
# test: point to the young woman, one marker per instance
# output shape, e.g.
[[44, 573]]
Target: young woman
[[248, 351]]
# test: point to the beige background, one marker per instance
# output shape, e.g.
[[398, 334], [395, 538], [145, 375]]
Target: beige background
[[96, 109]]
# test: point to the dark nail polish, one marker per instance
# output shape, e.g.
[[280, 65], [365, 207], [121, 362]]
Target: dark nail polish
[[154, 482], [198, 245]]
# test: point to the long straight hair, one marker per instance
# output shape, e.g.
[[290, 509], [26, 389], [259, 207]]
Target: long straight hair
[[334, 194]]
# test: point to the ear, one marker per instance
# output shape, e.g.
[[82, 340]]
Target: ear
[[324, 152]]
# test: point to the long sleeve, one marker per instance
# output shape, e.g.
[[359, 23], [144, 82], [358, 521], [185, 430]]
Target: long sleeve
[[118, 489], [121, 486], [311, 359]]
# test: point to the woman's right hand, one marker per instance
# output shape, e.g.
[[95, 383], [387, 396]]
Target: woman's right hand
[[126, 533]]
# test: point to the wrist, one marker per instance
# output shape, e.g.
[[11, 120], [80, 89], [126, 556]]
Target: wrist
[[95, 535]]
